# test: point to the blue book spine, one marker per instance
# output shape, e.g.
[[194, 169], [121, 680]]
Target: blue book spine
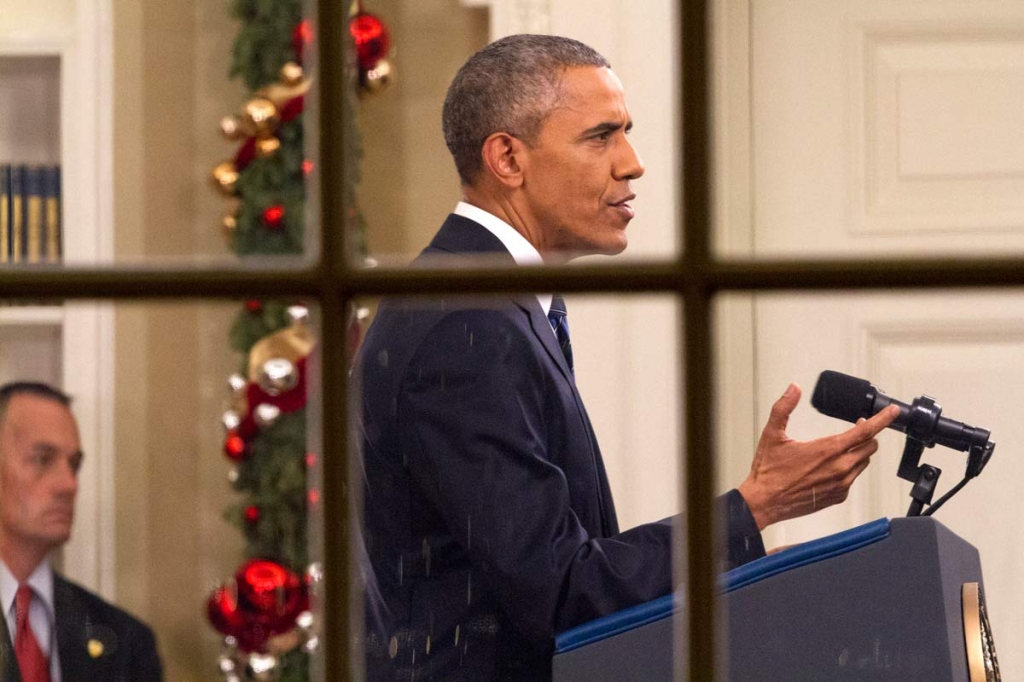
[[33, 185], [5, 212], [52, 213], [17, 214]]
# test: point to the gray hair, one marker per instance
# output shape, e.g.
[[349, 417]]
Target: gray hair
[[509, 86]]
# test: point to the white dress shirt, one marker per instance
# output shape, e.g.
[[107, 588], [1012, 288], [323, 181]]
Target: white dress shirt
[[41, 613], [522, 250]]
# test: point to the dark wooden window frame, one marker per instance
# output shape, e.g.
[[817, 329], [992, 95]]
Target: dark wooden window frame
[[696, 277]]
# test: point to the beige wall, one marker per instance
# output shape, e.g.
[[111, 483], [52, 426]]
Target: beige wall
[[409, 182], [172, 545]]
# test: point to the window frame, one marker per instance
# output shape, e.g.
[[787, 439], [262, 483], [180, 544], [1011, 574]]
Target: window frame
[[696, 277]]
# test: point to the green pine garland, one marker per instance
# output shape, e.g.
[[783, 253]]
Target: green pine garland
[[273, 476]]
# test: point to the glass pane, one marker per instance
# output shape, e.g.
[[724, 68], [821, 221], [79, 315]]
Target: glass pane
[[196, 507], [490, 529], [859, 613], [878, 130], [171, 133], [409, 179]]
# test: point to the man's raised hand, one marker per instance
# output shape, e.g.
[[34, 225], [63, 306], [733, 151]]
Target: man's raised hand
[[790, 478]]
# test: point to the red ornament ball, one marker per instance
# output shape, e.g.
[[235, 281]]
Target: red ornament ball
[[301, 37], [310, 460], [313, 497], [222, 611], [252, 514], [371, 38], [273, 217], [254, 305], [307, 167], [271, 595], [234, 446]]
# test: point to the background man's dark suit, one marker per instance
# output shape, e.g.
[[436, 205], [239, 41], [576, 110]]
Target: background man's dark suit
[[96, 641], [489, 519]]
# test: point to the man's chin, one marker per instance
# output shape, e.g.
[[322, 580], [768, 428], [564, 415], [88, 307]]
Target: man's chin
[[615, 247], [609, 247], [57, 537]]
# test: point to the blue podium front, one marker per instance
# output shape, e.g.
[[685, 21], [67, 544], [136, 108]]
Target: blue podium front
[[877, 603]]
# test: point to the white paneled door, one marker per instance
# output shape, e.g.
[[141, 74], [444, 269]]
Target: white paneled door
[[882, 128]]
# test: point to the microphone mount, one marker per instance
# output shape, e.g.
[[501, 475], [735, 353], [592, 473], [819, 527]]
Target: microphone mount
[[922, 421]]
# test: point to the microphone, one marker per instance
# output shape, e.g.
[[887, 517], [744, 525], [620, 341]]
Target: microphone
[[849, 398]]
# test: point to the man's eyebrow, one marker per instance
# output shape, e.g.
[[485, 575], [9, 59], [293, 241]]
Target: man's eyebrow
[[607, 127]]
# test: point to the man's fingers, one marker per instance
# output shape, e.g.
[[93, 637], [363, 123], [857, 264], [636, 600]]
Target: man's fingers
[[867, 429], [783, 407]]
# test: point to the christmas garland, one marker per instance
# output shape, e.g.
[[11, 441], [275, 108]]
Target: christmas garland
[[263, 611]]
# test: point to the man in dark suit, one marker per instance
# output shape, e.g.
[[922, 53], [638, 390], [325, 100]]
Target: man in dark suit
[[489, 522], [52, 629]]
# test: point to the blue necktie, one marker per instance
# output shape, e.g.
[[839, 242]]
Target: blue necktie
[[560, 323]]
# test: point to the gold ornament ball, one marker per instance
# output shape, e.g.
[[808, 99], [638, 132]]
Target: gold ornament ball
[[225, 177], [263, 116], [376, 79], [228, 225], [291, 74], [265, 146], [231, 128]]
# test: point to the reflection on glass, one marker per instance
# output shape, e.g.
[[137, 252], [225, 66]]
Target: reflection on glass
[[892, 159], [196, 503], [109, 156], [422, 139], [961, 348], [490, 527]]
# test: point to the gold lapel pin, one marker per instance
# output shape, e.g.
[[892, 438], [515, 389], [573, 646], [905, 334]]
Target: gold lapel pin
[[95, 647]]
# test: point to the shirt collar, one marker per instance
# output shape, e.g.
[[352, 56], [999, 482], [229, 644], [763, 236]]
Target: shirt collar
[[41, 582], [521, 249]]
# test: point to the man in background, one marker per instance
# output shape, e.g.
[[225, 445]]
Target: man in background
[[53, 630]]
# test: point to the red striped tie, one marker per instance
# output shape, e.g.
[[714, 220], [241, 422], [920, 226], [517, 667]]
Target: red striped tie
[[30, 657]]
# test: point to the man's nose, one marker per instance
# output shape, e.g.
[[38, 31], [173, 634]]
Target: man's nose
[[630, 166], [67, 479]]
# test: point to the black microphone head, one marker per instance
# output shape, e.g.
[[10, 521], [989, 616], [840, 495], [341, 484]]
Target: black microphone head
[[842, 396]]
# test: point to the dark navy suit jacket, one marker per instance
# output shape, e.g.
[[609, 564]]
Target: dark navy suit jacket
[[489, 522], [96, 641]]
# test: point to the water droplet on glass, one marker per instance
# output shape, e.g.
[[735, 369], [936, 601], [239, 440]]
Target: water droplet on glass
[[469, 589], [457, 628], [393, 646], [428, 645]]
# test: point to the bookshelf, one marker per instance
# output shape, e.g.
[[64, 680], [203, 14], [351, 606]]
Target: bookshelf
[[56, 102]]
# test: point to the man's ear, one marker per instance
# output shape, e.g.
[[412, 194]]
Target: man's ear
[[501, 154]]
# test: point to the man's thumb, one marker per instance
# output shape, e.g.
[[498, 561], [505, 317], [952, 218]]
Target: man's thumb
[[783, 407]]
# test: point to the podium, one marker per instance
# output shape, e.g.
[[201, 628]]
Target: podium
[[884, 602]]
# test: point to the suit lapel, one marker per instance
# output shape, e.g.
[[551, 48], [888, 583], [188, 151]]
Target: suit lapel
[[463, 236], [8, 664], [541, 328], [72, 623]]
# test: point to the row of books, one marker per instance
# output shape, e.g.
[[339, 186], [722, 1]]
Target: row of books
[[30, 225]]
